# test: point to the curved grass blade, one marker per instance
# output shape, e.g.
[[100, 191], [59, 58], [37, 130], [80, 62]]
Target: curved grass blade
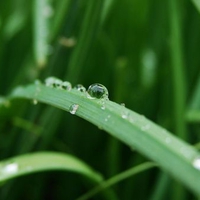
[[172, 154], [116, 179], [43, 161]]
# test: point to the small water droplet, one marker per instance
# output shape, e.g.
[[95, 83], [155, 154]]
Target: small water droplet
[[124, 116], [80, 88], [53, 82], [97, 91], [145, 127], [10, 168], [122, 104], [168, 140], [73, 108], [66, 85], [58, 83], [196, 163], [35, 101]]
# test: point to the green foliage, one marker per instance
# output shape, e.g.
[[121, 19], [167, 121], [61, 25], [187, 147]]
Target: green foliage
[[147, 55]]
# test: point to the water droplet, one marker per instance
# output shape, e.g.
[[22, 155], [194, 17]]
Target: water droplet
[[53, 82], [145, 127], [9, 168], [97, 91], [73, 108], [125, 114], [35, 101], [102, 103], [196, 163], [122, 104], [80, 88], [66, 85], [168, 140], [58, 83]]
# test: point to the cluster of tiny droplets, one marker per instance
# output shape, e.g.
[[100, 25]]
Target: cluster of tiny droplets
[[57, 83]]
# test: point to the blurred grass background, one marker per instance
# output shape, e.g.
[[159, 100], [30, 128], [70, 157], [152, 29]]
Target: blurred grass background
[[145, 52]]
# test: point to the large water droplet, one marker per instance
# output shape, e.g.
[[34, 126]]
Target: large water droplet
[[97, 91], [196, 163], [80, 88], [73, 108]]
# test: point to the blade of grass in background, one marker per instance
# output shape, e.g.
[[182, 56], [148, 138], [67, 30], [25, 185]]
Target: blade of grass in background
[[117, 178], [197, 4], [42, 12], [43, 161], [88, 32], [179, 81], [172, 154]]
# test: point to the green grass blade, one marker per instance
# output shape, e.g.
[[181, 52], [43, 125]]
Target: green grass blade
[[116, 179], [197, 4], [41, 14], [88, 32], [43, 161], [172, 154]]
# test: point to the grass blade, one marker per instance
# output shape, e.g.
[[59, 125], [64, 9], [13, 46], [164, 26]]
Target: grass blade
[[172, 154], [197, 4], [116, 179], [42, 12], [43, 161]]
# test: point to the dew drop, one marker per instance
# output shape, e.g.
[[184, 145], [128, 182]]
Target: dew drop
[[124, 116], [145, 127], [80, 88], [73, 108], [196, 163], [66, 85], [122, 104], [97, 91], [168, 140], [9, 168], [53, 82], [58, 83]]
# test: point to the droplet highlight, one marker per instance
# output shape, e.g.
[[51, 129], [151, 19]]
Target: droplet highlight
[[97, 91], [73, 108], [196, 163], [9, 168]]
